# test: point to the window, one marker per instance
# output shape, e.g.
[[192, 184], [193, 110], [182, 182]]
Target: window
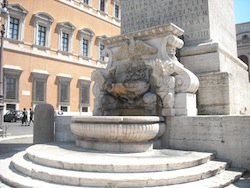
[[15, 22], [86, 1], [39, 86], [101, 52], [101, 47], [42, 25], [65, 42], [86, 42], [39, 90], [10, 106], [84, 109], [11, 85], [14, 28], [64, 91], [103, 6], [65, 30], [245, 37], [244, 58], [64, 108], [11, 77], [41, 35], [84, 84], [85, 94], [116, 9]]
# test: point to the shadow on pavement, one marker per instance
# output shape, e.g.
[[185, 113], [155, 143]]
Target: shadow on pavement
[[9, 147]]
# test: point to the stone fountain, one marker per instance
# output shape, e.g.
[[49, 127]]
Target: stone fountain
[[143, 93], [142, 83]]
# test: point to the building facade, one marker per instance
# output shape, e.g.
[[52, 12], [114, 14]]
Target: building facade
[[243, 42], [51, 48]]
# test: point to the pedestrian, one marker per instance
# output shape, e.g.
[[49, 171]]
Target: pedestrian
[[31, 117], [25, 116]]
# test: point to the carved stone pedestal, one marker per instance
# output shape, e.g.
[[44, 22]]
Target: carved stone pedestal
[[144, 77]]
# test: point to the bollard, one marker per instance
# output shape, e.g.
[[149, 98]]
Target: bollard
[[43, 131]]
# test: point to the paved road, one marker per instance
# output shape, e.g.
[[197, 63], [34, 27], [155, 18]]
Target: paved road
[[15, 129]]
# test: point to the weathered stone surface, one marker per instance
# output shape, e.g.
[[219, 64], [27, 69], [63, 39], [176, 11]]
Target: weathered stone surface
[[210, 44], [228, 136], [202, 20], [117, 133], [221, 93], [43, 124], [62, 129], [143, 74], [70, 166]]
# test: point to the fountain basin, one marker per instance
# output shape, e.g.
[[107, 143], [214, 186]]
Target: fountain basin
[[117, 133]]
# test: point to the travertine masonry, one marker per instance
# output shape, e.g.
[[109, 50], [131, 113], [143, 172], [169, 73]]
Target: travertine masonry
[[143, 14], [209, 47], [202, 20], [228, 136]]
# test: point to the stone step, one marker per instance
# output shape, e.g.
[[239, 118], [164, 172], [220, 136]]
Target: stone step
[[15, 179], [69, 156], [243, 182], [222, 179], [11, 178], [97, 179]]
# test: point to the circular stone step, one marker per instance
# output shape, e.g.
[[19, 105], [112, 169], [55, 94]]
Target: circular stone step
[[100, 179], [69, 156]]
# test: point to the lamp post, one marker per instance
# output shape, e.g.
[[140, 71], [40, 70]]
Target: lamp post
[[4, 12]]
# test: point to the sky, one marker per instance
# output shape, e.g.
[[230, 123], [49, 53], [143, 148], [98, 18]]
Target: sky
[[242, 11]]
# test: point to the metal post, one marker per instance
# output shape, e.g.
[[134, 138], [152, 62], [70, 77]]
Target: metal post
[[1, 80], [3, 13]]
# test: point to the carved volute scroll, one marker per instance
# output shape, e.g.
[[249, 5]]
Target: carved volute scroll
[[168, 47], [143, 75]]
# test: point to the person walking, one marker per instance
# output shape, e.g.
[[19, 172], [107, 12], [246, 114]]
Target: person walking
[[31, 117], [25, 116]]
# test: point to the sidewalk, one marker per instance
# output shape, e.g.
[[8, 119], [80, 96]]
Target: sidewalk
[[13, 144]]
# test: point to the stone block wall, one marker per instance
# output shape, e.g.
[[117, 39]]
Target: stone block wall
[[228, 136], [62, 129]]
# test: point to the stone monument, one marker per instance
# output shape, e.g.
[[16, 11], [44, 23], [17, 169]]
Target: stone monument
[[142, 82], [143, 89], [209, 50], [144, 77]]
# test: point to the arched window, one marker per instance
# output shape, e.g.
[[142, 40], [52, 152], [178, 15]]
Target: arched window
[[245, 37], [244, 59]]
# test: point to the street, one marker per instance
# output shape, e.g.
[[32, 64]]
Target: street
[[15, 129]]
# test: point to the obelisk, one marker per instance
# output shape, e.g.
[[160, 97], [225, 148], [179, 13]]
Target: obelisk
[[209, 51]]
